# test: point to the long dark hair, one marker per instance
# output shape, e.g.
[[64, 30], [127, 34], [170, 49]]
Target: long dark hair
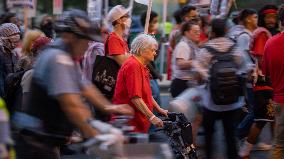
[[261, 15]]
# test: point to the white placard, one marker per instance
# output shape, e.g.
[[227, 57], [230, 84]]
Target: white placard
[[20, 3], [32, 11], [145, 2], [94, 9]]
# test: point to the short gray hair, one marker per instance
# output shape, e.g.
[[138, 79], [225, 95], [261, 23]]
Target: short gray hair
[[142, 42]]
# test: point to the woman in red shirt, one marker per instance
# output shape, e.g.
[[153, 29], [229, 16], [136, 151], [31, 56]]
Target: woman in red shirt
[[133, 84]]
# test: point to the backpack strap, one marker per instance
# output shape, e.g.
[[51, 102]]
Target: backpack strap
[[242, 33], [215, 52], [235, 37], [191, 50], [106, 45]]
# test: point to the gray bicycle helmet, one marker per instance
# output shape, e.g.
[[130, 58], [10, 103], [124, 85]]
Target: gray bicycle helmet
[[77, 22]]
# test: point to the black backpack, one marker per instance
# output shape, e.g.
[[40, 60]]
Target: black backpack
[[224, 83], [13, 91]]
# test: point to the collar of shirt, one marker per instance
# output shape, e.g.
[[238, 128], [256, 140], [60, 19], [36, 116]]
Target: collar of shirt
[[143, 66], [189, 42]]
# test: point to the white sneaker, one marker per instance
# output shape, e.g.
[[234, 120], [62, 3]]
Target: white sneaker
[[245, 149], [261, 146]]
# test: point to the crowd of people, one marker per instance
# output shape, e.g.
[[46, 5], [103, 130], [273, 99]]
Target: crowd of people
[[70, 70]]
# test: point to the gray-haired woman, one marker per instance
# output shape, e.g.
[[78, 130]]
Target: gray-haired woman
[[133, 84]]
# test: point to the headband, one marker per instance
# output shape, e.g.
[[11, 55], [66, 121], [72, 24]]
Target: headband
[[269, 11]]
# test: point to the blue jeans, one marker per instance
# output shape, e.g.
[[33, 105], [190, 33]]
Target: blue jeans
[[155, 91], [244, 126], [156, 95]]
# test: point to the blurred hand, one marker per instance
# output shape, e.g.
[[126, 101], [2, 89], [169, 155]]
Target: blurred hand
[[196, 98], [157, 122], [122, 109], [163, 111]]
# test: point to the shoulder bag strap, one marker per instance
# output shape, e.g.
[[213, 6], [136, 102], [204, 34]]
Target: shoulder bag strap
[[106, 45]]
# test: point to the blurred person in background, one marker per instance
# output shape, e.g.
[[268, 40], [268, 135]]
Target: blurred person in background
[[242, 34], [25, 62], [46, 26], [211, 111], [36, 48], [119, 17], [261, 96], [153, 30], [10, 36], [272, 67], [267, 18], [133, 84], [186, 14], [172, 40], [219, 8], [252, 40], [10, 18], [184, 54], [55, 106], [95, 48], [189, 102], [153, 22], [14, 87]]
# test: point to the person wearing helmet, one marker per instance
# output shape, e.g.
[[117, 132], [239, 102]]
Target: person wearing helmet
[[117, 45], [9, 38], [55, 107]]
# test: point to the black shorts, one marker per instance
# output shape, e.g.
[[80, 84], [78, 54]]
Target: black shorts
[[264, 108], [178, 86]]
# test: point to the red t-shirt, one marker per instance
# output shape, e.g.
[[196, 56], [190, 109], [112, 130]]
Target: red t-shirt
[[134, 81], [259, 43], [273, 65], [116, 45]]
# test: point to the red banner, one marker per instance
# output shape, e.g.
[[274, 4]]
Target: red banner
[[57, 6]]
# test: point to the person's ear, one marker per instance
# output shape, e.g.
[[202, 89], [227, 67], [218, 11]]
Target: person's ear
[[248, 20]]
